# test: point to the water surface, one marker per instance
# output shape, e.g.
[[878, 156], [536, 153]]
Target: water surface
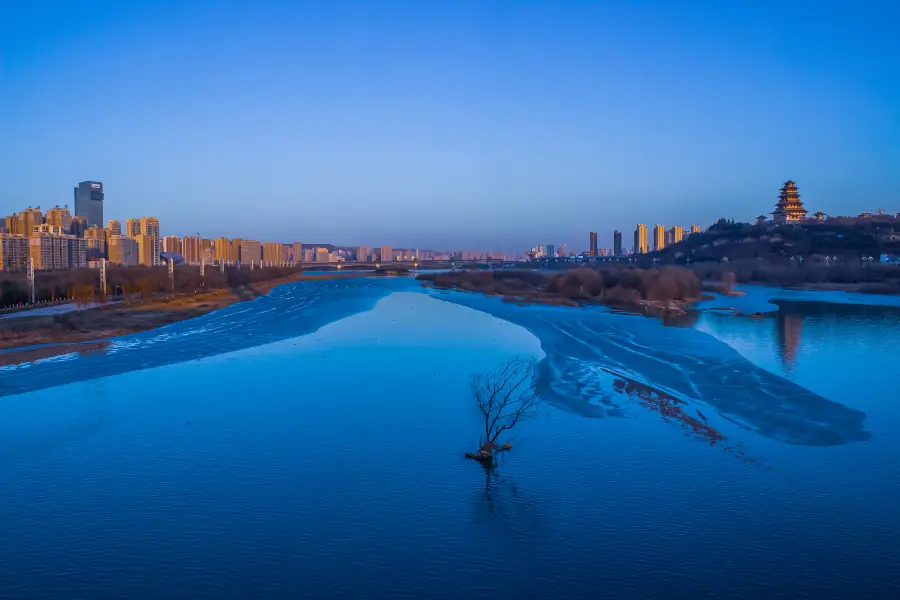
[[309, 444]]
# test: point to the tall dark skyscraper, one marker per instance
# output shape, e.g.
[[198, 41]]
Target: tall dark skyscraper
[[89, 202], [593, 251], [617, 243]]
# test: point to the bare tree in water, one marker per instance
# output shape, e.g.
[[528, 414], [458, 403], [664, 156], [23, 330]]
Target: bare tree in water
[[506, 396]]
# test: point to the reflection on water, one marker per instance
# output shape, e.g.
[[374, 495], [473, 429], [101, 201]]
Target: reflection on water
[[788, 328]]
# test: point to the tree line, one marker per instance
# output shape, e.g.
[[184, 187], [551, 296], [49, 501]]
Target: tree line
[[83, 285]]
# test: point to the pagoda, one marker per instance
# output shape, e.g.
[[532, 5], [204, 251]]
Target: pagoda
[[789, 208]]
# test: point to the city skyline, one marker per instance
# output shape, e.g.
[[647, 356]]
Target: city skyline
[[449, 117]]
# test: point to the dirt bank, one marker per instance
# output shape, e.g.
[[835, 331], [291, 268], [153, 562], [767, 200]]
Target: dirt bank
[[124, 318]]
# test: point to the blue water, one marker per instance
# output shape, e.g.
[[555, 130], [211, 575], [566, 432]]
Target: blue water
[[309, 444]]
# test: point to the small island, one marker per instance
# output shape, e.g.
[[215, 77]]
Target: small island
[[661, 292]]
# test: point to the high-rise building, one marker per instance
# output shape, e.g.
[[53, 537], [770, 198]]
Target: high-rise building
[[89, 202], [150, 228], [695, 229], [236, 250], [362, 254], [29, 219], [659, 237], [297, 252], [115, 227], [54, 229], [171, 244], [145, 250], [13, 252], [323, 255], [593, 246], [96, 242], [78, 253], [191, 250], [12, 225], [676, 234], [274, 253], [640, 239], [49, 251], [251, 250], [123, 250], [386, 254], [222, 249], [551, 250], [59, 217], [617, 243], [79, 226], [132, 228]]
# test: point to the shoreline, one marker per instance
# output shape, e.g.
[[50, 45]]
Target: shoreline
[[27, 339]]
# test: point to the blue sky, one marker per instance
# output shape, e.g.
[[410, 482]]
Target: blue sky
[[458, 124]]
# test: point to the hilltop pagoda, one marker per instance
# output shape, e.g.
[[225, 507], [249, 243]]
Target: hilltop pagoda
[[789, 208]]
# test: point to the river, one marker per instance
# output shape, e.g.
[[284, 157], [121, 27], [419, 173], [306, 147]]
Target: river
[[310, 444]]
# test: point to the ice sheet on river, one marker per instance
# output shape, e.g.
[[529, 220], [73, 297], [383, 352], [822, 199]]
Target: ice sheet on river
[[593, 355], [288, 311]]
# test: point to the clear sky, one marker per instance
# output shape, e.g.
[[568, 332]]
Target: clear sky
[[448, 124]]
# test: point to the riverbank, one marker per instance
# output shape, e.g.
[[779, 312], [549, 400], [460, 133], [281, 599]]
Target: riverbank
[[66, 333]]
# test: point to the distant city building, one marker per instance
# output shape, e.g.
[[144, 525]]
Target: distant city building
[[297, 252], [50, 251], [132, 228], [617, 243], [222, 250], [59, 217], [695, 229], [251, 251], [191, 250], [79, 226], [274, 253], [386, 254], [172, 244], [593, 244], [12, 225], [54, 229], [89, 202], [150, 228], [95, 238], [789, 208], [236, 250], [123, 250], [29, 219], [207, 251], [146, 246], [13, 252], [659, 237], [550, 251], [323, 255], [676, 233], [640, 239], [114, 226], [362, 254]]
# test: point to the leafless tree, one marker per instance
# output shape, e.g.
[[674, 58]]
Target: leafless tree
[[506, 396]]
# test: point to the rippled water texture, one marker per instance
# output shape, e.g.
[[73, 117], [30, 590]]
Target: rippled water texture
[[309, 444]]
